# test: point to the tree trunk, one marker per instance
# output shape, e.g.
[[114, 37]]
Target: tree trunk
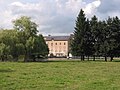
[[88, 58], [15, 58], [26, 55], [2, 58], [94, 58], [83, 57], [111, 58], [105, 58], [34, 59], [26, 59], [6, 59]]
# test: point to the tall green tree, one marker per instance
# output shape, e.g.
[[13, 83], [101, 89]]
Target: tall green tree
[[104, 46], [95, 35], [89, 49], [78, 43], [27, 34], [26, 29], [113, 25]]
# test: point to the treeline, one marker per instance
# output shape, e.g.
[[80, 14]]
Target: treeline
[[93, 37], [22, 40]]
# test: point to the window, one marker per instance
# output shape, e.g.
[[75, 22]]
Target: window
[[60, 43], [55, 43], [64, 47], [51, 44], [64, 50], [64, 43]]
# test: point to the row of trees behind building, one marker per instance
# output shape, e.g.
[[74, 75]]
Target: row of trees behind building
[[22, 40], [96, 37]]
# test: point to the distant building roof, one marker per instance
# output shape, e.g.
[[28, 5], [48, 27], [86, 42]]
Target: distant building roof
[[57, 38]]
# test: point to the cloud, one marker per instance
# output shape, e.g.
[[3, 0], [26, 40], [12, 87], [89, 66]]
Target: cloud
[[92, 7], [55, 16], [109, 8]]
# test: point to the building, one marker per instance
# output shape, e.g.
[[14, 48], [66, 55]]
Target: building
[[58, 45]]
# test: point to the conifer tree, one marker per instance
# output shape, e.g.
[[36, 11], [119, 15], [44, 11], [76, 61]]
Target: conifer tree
[[78, 43], [88, 40], [95, 34], [113, 25]]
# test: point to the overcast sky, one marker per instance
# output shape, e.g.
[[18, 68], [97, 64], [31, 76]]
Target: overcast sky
[[55, 17]]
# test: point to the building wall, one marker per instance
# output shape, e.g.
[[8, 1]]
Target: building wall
[[58, 48]]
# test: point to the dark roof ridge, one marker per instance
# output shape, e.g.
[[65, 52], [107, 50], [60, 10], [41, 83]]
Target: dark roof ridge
[[49, 38]]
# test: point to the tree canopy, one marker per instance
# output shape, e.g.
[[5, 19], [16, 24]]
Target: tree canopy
[[22, 40], [95, 37]]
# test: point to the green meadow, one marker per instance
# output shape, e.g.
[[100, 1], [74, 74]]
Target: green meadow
[[60, 75]]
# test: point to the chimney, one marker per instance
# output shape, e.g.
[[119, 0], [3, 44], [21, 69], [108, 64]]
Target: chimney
[[49, 35]]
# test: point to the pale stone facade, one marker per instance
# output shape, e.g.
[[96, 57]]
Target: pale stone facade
[[58, 45]]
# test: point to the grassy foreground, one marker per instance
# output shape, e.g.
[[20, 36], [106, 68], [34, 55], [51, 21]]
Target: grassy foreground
[[62, 75]]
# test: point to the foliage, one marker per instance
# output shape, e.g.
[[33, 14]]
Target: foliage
[[22, 40], [114, 27], [9, 39], [78, 43], [4, 51], [95, 34], [89, 44], [27, 31], [96, 38]]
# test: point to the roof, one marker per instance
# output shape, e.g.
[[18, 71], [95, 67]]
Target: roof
[[57, 38]]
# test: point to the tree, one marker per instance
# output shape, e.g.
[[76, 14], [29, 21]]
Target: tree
[[22, 40], [104, 46], [42, 44], [27, 34], [113, 25], [95, 35], [36, 46], [9, 38], [4, 51], [88, 40], [26, 29], [78, 43]]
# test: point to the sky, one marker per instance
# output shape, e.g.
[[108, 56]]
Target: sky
[[55, 17]]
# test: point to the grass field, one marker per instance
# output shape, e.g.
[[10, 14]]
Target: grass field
[[60, 75]]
